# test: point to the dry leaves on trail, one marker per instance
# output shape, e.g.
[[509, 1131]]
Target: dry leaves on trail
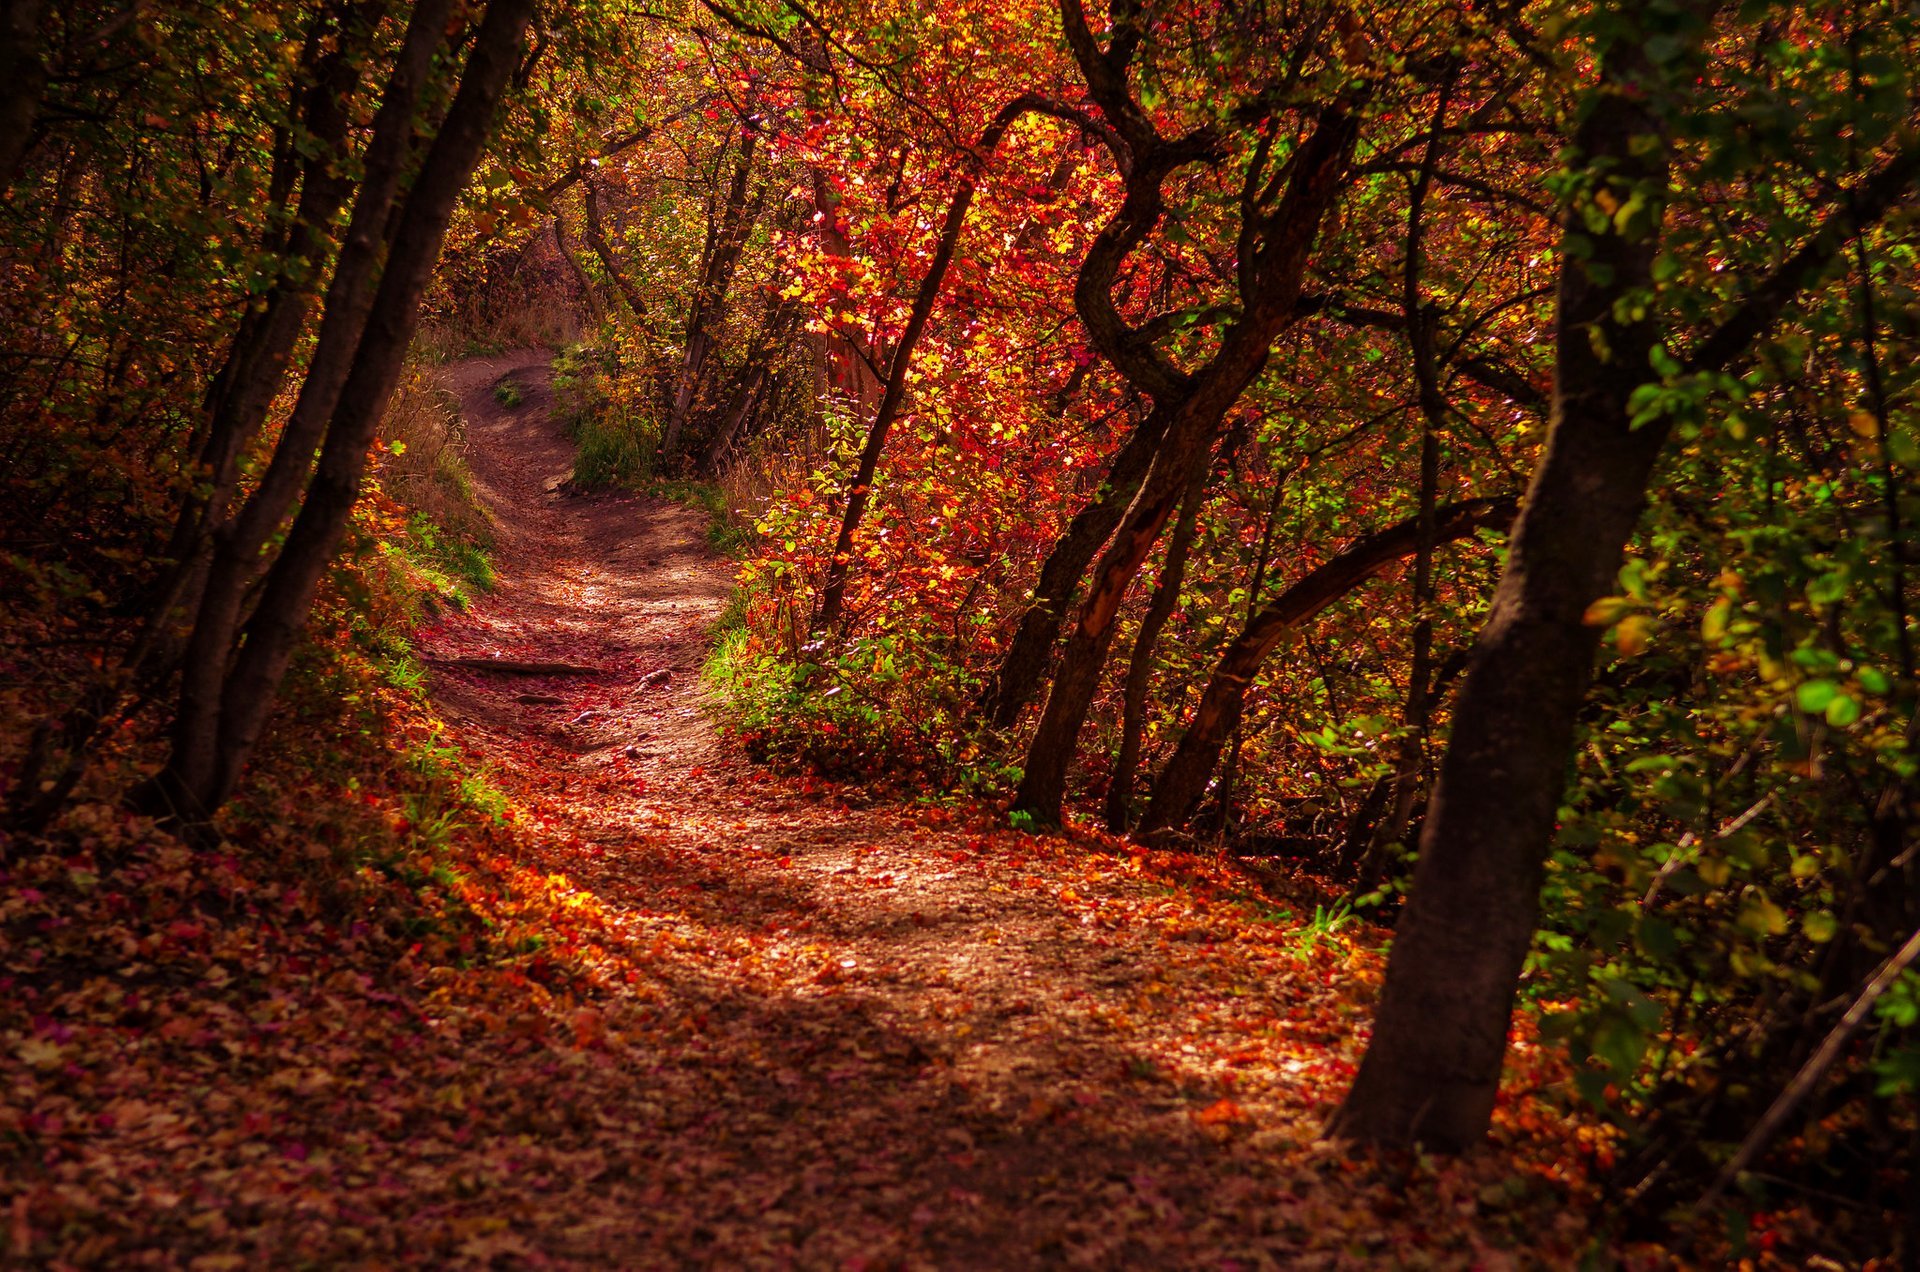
[[679, 1011]]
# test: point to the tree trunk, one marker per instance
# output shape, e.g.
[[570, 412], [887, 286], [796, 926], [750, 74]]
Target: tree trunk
[[1276, 242], [596, 235], [726, 236], [1411, 761], [1133, 713], [860, 489], [589, 298], [207, 761], [1177, 791], [1024, 665], [1432, 1069], [775, 330], [238, 547], [23, 81], [255, 367]]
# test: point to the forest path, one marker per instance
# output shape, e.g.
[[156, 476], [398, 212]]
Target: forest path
[[828, 1035]]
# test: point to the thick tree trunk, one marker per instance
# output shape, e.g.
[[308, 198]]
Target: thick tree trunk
[[1177, 791], [23, 81], [1432, 1069], [207, 760]]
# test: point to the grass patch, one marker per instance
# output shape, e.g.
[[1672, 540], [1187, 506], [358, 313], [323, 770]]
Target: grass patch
[[612, 448], [726, 533]]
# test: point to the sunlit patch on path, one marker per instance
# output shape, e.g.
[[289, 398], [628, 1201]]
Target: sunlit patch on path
[[826, 1034]]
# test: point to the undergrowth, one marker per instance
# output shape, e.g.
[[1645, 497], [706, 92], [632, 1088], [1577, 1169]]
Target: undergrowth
[[860, 713], [617, 445]]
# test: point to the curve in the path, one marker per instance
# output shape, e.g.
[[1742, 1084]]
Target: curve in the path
[[853, 1037], [618, 582]]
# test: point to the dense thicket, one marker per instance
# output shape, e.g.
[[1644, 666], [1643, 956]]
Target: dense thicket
[[1468, 447]]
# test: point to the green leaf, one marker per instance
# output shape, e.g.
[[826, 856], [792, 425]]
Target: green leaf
[[1814, 695], [1657, 938], [1619, 1043], [1842, 711]]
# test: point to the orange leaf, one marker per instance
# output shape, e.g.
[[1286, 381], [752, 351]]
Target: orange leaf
[[1221, 1110]]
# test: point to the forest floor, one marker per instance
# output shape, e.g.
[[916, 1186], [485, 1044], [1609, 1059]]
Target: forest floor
[[892, 1035], [716, 1016]]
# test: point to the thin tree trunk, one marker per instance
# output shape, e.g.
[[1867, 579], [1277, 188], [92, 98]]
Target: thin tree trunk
[[239, 545], [588, 296], [1418, 717], [774, 331], [1775, 1119], [1256, 585], [257, 360], [596, 235], [1024, 665], [1183, 781], [1133, 715], [833, 594], [242, 391], [726, 238]]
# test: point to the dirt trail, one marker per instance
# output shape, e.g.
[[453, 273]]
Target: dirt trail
[[618, 582], [861, 1037]]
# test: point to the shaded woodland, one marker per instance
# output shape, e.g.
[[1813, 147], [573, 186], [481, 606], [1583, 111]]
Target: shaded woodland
[[1451, 466]]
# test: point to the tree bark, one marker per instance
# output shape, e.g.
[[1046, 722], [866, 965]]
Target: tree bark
[[1177, 791], [1433, 1066]]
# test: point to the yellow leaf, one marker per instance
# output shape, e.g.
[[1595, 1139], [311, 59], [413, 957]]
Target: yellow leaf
[[1606, 611], [1633, 635]]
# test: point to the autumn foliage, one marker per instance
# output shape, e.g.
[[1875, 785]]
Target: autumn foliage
[[1396, 523]]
